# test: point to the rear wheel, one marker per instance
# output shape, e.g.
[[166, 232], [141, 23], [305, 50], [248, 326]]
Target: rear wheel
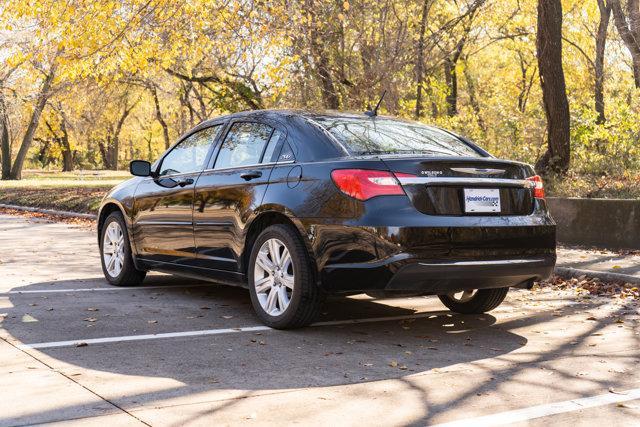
[[474, 301], [115, 251], [283, 292]]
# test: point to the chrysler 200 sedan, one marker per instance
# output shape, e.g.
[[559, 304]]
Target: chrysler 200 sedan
[[297, 205]]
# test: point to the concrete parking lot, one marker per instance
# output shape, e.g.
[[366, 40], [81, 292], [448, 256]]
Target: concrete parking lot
[[181, 352]]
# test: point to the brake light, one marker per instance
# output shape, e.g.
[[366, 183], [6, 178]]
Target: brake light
[[538, 188], [363, 184]]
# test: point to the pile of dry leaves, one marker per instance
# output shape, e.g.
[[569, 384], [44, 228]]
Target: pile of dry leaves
[[28, 214], [593, 286]]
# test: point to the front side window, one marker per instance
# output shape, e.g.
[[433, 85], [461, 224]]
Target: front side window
[[190, 154], [382, 136], [243, 145]]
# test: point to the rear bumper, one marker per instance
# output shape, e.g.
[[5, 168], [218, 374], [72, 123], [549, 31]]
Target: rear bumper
[[392, 246], [401, 272]]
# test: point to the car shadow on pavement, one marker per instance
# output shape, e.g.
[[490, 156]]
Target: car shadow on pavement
[[565, 379], [247, 363]]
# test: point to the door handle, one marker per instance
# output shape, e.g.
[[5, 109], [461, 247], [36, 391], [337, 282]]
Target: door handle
[[184, 182], [248, 176]]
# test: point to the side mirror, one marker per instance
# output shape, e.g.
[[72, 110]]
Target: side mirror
[[140, 168]]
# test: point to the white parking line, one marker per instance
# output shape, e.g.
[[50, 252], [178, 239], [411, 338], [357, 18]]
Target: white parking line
[[73, 343], [114, 288], [540, 411]]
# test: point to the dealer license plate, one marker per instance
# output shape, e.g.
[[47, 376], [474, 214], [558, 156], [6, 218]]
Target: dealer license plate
[[481, 200]]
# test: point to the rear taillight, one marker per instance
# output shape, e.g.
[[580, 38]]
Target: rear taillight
[[363, 184], [538, 188]]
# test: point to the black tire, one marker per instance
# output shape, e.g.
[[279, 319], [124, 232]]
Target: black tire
[[306, 298], [482, 301], [129, 275]]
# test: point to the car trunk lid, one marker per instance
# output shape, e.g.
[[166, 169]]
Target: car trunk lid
[[465, 186]]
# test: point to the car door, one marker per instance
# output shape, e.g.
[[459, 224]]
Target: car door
[[227, 194], [163, 207]]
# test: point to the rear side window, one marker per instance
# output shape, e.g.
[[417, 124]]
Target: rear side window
[[286, 154], [243, 145], [190, 154], [382, 136], [272, 147]]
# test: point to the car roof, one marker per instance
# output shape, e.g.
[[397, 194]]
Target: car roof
[[310, 114]]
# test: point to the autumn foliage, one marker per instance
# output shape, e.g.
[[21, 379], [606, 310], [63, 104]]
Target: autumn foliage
[[94, 84]]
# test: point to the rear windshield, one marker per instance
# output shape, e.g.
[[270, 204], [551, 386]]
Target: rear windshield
[[383, 136]]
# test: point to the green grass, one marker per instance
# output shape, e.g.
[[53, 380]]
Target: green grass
[[78, 191], [45, 179]]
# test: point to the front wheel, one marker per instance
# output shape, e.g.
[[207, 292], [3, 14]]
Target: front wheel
[[283, 292], [115, 251], [474, 301]]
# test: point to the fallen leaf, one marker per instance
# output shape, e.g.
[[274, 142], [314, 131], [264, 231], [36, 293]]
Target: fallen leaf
[[393, 363]]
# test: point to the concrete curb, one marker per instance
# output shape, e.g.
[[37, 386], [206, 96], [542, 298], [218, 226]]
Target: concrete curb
[[569, 272], [50, 211]]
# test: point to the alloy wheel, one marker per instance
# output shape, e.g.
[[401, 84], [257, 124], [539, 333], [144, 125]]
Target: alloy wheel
[[274, 277], [113, 249], [463, 296]]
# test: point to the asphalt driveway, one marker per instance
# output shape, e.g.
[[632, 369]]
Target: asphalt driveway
[[180, 352]]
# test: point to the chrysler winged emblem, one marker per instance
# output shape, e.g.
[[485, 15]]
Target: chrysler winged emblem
[[479, 171]]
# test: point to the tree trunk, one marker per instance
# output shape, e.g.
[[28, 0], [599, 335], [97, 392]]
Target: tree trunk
[[420, 59], [601, 40], [114, 143], [105, 153], [5, 143], [43, 96], [113, 153], [451, 75], [473, 100], [159, 118], [321, 62], [451, 79], [629, 29], [554, 95], [67, 153]]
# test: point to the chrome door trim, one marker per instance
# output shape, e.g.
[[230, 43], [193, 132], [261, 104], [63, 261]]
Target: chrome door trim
[[213, 223], [152, 222], [253, 166]]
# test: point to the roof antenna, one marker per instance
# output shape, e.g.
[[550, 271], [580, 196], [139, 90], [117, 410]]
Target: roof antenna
[[374, 112]]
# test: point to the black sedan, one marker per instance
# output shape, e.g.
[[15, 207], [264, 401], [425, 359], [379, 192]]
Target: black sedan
[[297, 205]]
